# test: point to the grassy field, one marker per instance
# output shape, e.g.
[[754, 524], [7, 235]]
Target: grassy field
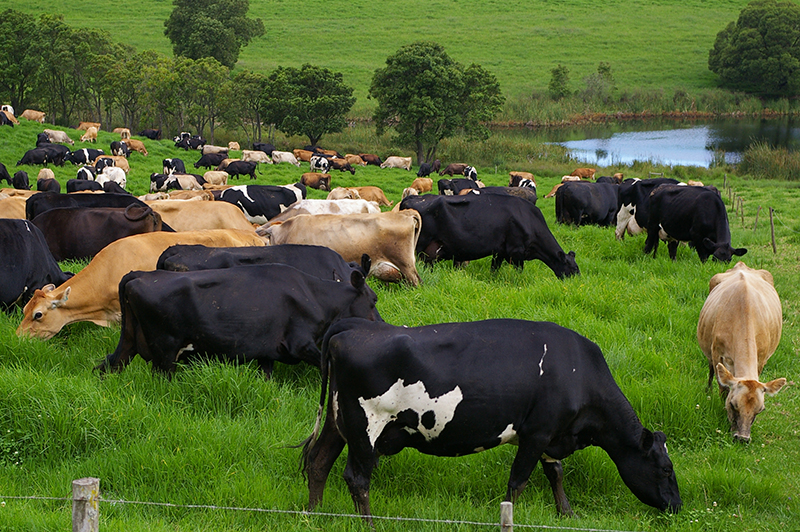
[[648, 44], [219, 435]]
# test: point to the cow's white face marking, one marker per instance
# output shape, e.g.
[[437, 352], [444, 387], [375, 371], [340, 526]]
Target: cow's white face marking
[[432, 413], [541, 361]]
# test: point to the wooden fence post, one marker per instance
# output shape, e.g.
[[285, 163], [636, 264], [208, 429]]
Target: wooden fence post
[[506, 517], [85, 514]]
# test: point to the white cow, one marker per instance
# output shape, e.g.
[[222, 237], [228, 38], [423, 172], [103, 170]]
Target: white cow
[[256, 156], [397, 162], [284, 157]]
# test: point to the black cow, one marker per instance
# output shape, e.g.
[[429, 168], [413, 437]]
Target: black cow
[[112, 187], [39, 203], [5, 121], [56, 153], [25, 263], [426, 169], [79, 232], [318, 261], [87, 172], [34, 156], [174, 165], [265, 147], [474, 226], [634, 202], [452, 187], [281, 314], [237, 168], [152, 134], [259, 202], [84, 156], [460, 388], [77, 185], [20, 180], [342, 165], [210, 160], [4, 175], [120, 149], [48, 184], [42, 138], [583, 203], [695, 215]]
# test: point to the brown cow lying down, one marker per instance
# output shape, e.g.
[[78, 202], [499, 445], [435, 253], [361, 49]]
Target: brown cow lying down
[[184, 215], [388, 238], [92, 294], [375, 194]]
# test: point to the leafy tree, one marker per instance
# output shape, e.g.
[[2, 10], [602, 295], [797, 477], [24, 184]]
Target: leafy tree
[[244, 105], [18, 62], [426, 96], [309, 101], [56, 80], [559, 82], [206, 80], [599, 85], [211, 28], [760, 52]]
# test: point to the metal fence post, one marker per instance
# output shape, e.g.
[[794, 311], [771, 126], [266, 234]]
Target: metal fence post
[[85, 514]]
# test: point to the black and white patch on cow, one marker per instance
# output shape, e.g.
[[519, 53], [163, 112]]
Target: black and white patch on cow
[[318, 163]]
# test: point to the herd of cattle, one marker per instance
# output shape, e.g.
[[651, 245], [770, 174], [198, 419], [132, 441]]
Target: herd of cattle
[[287, 273]]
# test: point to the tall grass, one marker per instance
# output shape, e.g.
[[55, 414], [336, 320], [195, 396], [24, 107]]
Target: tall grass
[[767, 162]]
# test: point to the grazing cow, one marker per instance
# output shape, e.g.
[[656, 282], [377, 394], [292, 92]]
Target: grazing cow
[[84, 156], [87, 173], [80, 185], [79, 233], [93, 294], [152, 134], [690, 214], [9, 116], [216, 177], [54, 135], [634, 205], [354, 159], [342, 165], [173, 165], [584, 173], [210, 161], [232, 145], [26, 263], [20, 180], [316, 180], [284, 157], [474, 226], [454, 168], [303, 155], [286, 315], [521, 179], [326, 206], [4, 175], [84, 126], [165, 182], [388, 238], [112, 173], [56, 153], [586, 203], [319, 164], [256, 156], [259, 202], [237, 168], [119, 148], [453, 187], [397, 162], [35, 156], [422, 184], [426, 169], [39, 203], [183, 215], [7, 107], [371, 158], [30, 114], [209, 148], [343, 193], [265, 147], [12, 207], [738, 331], [48, 185], [547, 390], [136, 145], [124, 132], [371, 193], [90, 135], [113, 160]]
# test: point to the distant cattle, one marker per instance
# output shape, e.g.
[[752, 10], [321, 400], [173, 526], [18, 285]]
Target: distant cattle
[[5, 120], [124, 133], [521, 179], [209, 148], [84, 126], [136, 145], [397, 162], [375, 194], [90, 135], [4, 175], [211, 160], [36, 116], [739, 329], [585, 203], [303, 155], [224, 163], [84, 155], [265, 147], [173, 165], [284, 157], [120, 148], [152, 134], [584, 173], [259, 202], [547, 390], [342, 165], [26, 263], [454, 168], [237, 168], [165, 182], [34, 157], [256, 156], [318, 164], [422, 184], [114, 160], [426, 169], [695, 215], [371, 159], [233, 145], [316, 180], [56, 153], [634, 205], [58, 136], [216, 177], [191, 143], [354, 159]]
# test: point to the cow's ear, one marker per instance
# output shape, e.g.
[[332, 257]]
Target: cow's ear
[[773, 387], [709, 244], [357, 279], [48, 288], [366, 264], [647, 439], [724, 376], [739, 251]]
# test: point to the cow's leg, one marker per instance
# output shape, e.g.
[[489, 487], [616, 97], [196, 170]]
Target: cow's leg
[[266, 365], [319, 457], [497, 261], [673, 249], [522, 467], [711, 374], [357, 474], [555, 474]]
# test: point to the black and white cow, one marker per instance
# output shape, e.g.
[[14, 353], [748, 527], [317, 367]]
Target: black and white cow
[[452, 187], [193, 143], [259, 202], [183, 135], [26, 263], [101, 163], [695, 215], [39, 203], [319, 163], [87, 172], [210, 160], [583, 203], [78, 185], [237, 168], [471, 173], [120, 149], [460, 388], [174, 165], [281, 312], [84, 156], [35, 156], [474, 226], [633, 206]]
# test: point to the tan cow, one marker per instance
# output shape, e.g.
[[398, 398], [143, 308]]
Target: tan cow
[[215, 177], [397, 162], [119, 162], [10, 116], [584, 173], [354, 159], [422, 184], [92, 294], [316, 180], [199, 195], [224, 164], [55, 135], [13, 207], [84, 126], [124, 132], [184, 215], [256, 156], [210, 148], [232, 145], [375, 194], [389, 239], [30, 114], [303, 155], [90, 135], [18, 192], [318, 206], [45, 173], [343, 193], [136, 145], [739, 329]]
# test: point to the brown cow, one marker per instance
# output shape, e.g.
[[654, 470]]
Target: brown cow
[[84, 126], [373, 194], [13, 206], [354, 159], [342, 165], [224, 164], [584, 173], [371, 158], [422, 184], [316, 180], [739, 329], [343, 193], [30, 114], [184, 215], [389, 239], [303, 155], [92, 294], [453, 169], [136, 145]]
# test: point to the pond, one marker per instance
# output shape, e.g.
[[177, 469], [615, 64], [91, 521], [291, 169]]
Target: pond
[[686, 143]]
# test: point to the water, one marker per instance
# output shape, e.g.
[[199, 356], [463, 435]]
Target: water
[[674, 143]]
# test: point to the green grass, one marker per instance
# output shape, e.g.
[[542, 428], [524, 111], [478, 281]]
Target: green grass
[[218, 434], [648, 44]]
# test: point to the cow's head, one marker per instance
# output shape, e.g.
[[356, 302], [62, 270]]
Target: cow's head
[[43, 317], [722, 252], [745, 400], [567, 266], [363, 305], [647, 471]]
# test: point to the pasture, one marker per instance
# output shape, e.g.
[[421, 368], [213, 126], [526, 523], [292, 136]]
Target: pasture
[[219, 434]]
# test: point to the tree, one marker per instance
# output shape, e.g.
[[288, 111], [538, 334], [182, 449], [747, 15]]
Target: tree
[[206, 80], [309, 101], [760, 52], [244, 105], [56, 80], [426, 96], [559, 83], [211, 28], [18, 62]]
